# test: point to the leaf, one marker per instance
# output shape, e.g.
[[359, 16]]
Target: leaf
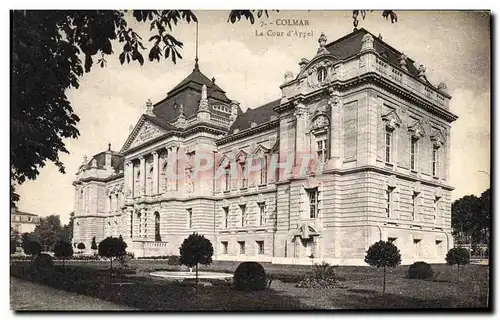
[[140, 58], [122, 57]]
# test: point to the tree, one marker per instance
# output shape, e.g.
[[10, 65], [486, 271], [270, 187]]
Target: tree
[[93, 246], [484, 218], [48, 232], [465, 218], [45, 60], [194, 250], [30, 245], [63, 250], [458, 256], [13, 246], [383, 254], [67, 231], [112, 248]]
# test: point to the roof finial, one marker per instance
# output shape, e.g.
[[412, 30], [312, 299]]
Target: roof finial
[[149, 107], [196, 66], [109, 146]]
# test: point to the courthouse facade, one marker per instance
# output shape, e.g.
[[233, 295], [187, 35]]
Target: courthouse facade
[[356, 150]]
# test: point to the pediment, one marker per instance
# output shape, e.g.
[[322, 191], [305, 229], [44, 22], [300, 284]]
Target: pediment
[[241, 156], [392, 119], [325, 60], [437, 138], [144, 131], [261, 149], [224, 161], [417, 130]]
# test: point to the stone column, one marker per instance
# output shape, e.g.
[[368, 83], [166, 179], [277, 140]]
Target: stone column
[[155, 173], [142, 181], [300, 129], [335, 103], [128, 179]]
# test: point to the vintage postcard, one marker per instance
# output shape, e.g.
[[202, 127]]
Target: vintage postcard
[[250, 160]]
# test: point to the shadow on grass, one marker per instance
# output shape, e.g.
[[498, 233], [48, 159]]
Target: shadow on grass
[[391, 301], [148, 294]]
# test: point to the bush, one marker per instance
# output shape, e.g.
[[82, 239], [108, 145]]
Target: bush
[[324, 271], [81, 246], [458, 256], [43, 262], [420, 270], [383, 254], [63, 250], [250, 276], [112, 248], [194, 250]]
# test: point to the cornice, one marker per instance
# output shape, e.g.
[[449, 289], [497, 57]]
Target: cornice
[[248, 132], [373, 77]]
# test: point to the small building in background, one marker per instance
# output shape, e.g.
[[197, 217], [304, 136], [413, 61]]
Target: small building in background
[[23, 222]]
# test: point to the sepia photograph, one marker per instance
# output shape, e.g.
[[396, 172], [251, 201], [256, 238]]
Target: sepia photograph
[[250, 160]]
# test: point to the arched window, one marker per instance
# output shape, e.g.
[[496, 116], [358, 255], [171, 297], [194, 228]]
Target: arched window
[[157, 226], [322, 72], [227, 178], [150, 181], [164, 175]]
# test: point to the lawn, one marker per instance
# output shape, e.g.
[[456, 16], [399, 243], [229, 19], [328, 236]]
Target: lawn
[[29, 296], [364, 286]]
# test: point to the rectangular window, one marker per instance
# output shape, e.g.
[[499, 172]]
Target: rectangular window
[[435, 162], [242, 247], [226, 216], [263, 170], [413, 153], [243, 209], [243, 176], [224, 247], [227, 180], [436, 208], [388, 145], [313, 203], [262, 213], [321, 142], [260, 247], [388, 201], [190, 217], [414, 198]]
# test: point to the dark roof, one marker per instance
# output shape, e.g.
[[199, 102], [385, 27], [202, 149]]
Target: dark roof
[[116, 160], [15, 211], [350, 45], [188, 93], [258, 115], [160, 122]]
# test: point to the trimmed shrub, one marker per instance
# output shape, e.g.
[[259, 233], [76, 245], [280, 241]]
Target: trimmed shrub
[[420, 270], [81, 246], [63, 250], [458, 256], [250, 276], [43, 262]]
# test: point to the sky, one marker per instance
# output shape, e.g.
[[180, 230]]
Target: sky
[[453, 46]]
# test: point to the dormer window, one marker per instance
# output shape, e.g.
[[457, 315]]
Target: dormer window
[[322, 72]]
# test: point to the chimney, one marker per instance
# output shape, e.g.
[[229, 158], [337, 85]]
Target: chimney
[[108, 155]]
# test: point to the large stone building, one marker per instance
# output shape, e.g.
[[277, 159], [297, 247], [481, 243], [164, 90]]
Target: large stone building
[[356, 150]]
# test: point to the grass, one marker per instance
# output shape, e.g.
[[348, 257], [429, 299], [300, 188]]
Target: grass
[[28, 296], [364, 287]]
